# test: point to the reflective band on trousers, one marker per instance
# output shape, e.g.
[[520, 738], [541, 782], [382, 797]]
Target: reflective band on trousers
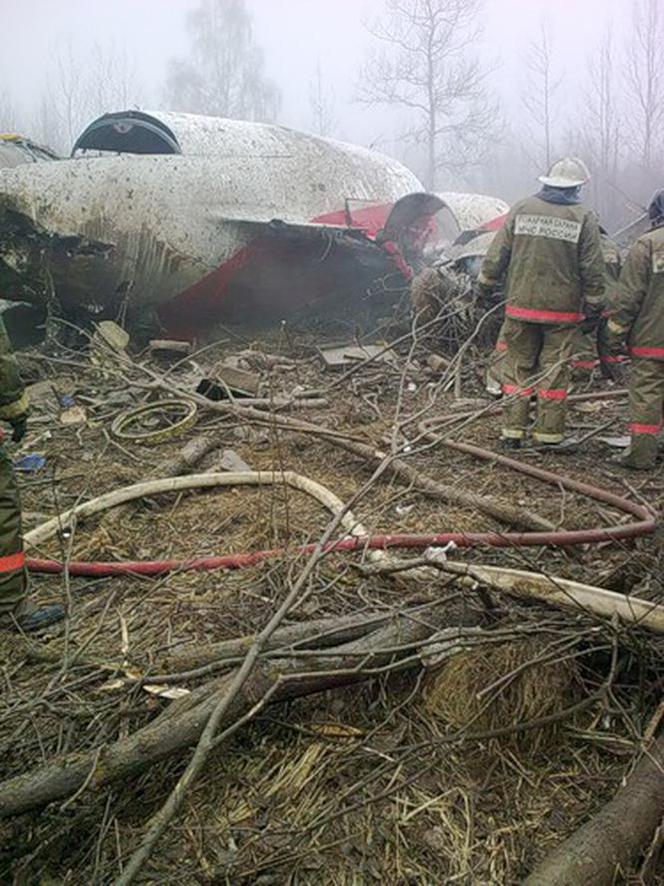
[[637, 428], [648, 352], [521, 392], [542, 316], [584, 364], [553, 393], [12, 562]]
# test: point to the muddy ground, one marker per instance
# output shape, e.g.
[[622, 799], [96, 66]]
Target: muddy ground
[[351, 786]]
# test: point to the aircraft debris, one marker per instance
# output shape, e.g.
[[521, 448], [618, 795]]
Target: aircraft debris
[[169, 346], [231, 461], [227, 379], [263, 224], [341, 356], [16, 150], [155, 422]]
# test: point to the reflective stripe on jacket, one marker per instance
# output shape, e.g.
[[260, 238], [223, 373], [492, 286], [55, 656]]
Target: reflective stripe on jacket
[[636, 306], [551, 256]]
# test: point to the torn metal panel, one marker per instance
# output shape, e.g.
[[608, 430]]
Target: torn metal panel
[[16, 150], [473, 210], [345, 355]]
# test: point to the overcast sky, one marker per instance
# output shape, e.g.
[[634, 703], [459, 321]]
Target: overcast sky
[[294, 35]]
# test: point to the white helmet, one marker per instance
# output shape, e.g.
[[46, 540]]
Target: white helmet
[[570, 172]]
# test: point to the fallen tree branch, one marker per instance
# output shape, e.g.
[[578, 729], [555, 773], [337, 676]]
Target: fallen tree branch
[[504, 513], [603, 847], [318, 633], [165, 735], [236, 687]]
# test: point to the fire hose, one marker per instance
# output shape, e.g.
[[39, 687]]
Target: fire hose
[[359, 538]]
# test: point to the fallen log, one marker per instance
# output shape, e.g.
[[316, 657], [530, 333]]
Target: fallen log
[[340, 666], [603, 847], [519, 517], [318, 633], [504, 513]]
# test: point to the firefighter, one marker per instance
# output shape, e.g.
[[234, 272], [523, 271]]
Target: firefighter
[[589, 356], [15, 609], [550, 255], [636, 314]]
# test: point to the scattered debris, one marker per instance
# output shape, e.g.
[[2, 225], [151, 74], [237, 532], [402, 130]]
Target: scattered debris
[[159, 346], [528, 676], [229, 381], [73, 415], [436, 363], [30, 463], [231, 461], [342, 356], [155, 422]]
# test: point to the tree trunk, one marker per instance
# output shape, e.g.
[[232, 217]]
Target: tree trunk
[[621, 830], [167, 734]]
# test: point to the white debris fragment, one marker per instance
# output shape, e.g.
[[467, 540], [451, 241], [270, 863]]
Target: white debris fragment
[[438, 554]]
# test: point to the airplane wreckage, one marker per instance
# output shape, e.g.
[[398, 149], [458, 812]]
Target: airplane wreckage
[[16, 149], [181, 222]]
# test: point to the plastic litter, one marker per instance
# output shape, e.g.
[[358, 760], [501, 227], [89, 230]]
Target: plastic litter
[[30, 463]]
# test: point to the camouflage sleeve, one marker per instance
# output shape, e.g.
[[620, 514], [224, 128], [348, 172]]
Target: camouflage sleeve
[[629, 292], [498, 257], [13, 399], [591, 265]]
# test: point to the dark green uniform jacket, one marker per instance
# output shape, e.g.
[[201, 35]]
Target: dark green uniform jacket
[[637, 304], [13, 402], [552, 257]]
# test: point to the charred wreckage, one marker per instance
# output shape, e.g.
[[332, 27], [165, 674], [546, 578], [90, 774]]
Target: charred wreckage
[[179, 222]]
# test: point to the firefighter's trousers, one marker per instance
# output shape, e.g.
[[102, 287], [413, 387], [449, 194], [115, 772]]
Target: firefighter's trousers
[[646, 400], [494, 371], [536, 362], [13, 577]]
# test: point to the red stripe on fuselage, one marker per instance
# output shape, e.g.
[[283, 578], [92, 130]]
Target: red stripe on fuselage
[[180, 313]]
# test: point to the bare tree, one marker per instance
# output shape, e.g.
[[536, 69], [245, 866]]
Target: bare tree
[[644, 77], [79, 88], [321, 102], [46, 125], [426, 68], [224, 74], [8, 116], [112, 81], [542, 86], [601, 131], [65, 95]]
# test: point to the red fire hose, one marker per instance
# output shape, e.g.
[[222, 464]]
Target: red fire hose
[[643, 525]]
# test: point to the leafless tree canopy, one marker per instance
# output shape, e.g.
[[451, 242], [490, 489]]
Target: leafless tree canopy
[[224, 73], [426, 66], [644, 72], [80, 87], [322, 104], [602, 139], [543, 84]]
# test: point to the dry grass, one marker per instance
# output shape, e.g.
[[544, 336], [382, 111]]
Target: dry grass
[[350, 787], [496, 686]]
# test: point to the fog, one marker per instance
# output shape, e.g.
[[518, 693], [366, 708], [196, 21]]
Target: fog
[[327, 47]]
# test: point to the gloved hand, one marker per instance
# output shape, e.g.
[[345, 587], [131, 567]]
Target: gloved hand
[[615, 343], [589, 324], [19, 427], [482, 292]]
